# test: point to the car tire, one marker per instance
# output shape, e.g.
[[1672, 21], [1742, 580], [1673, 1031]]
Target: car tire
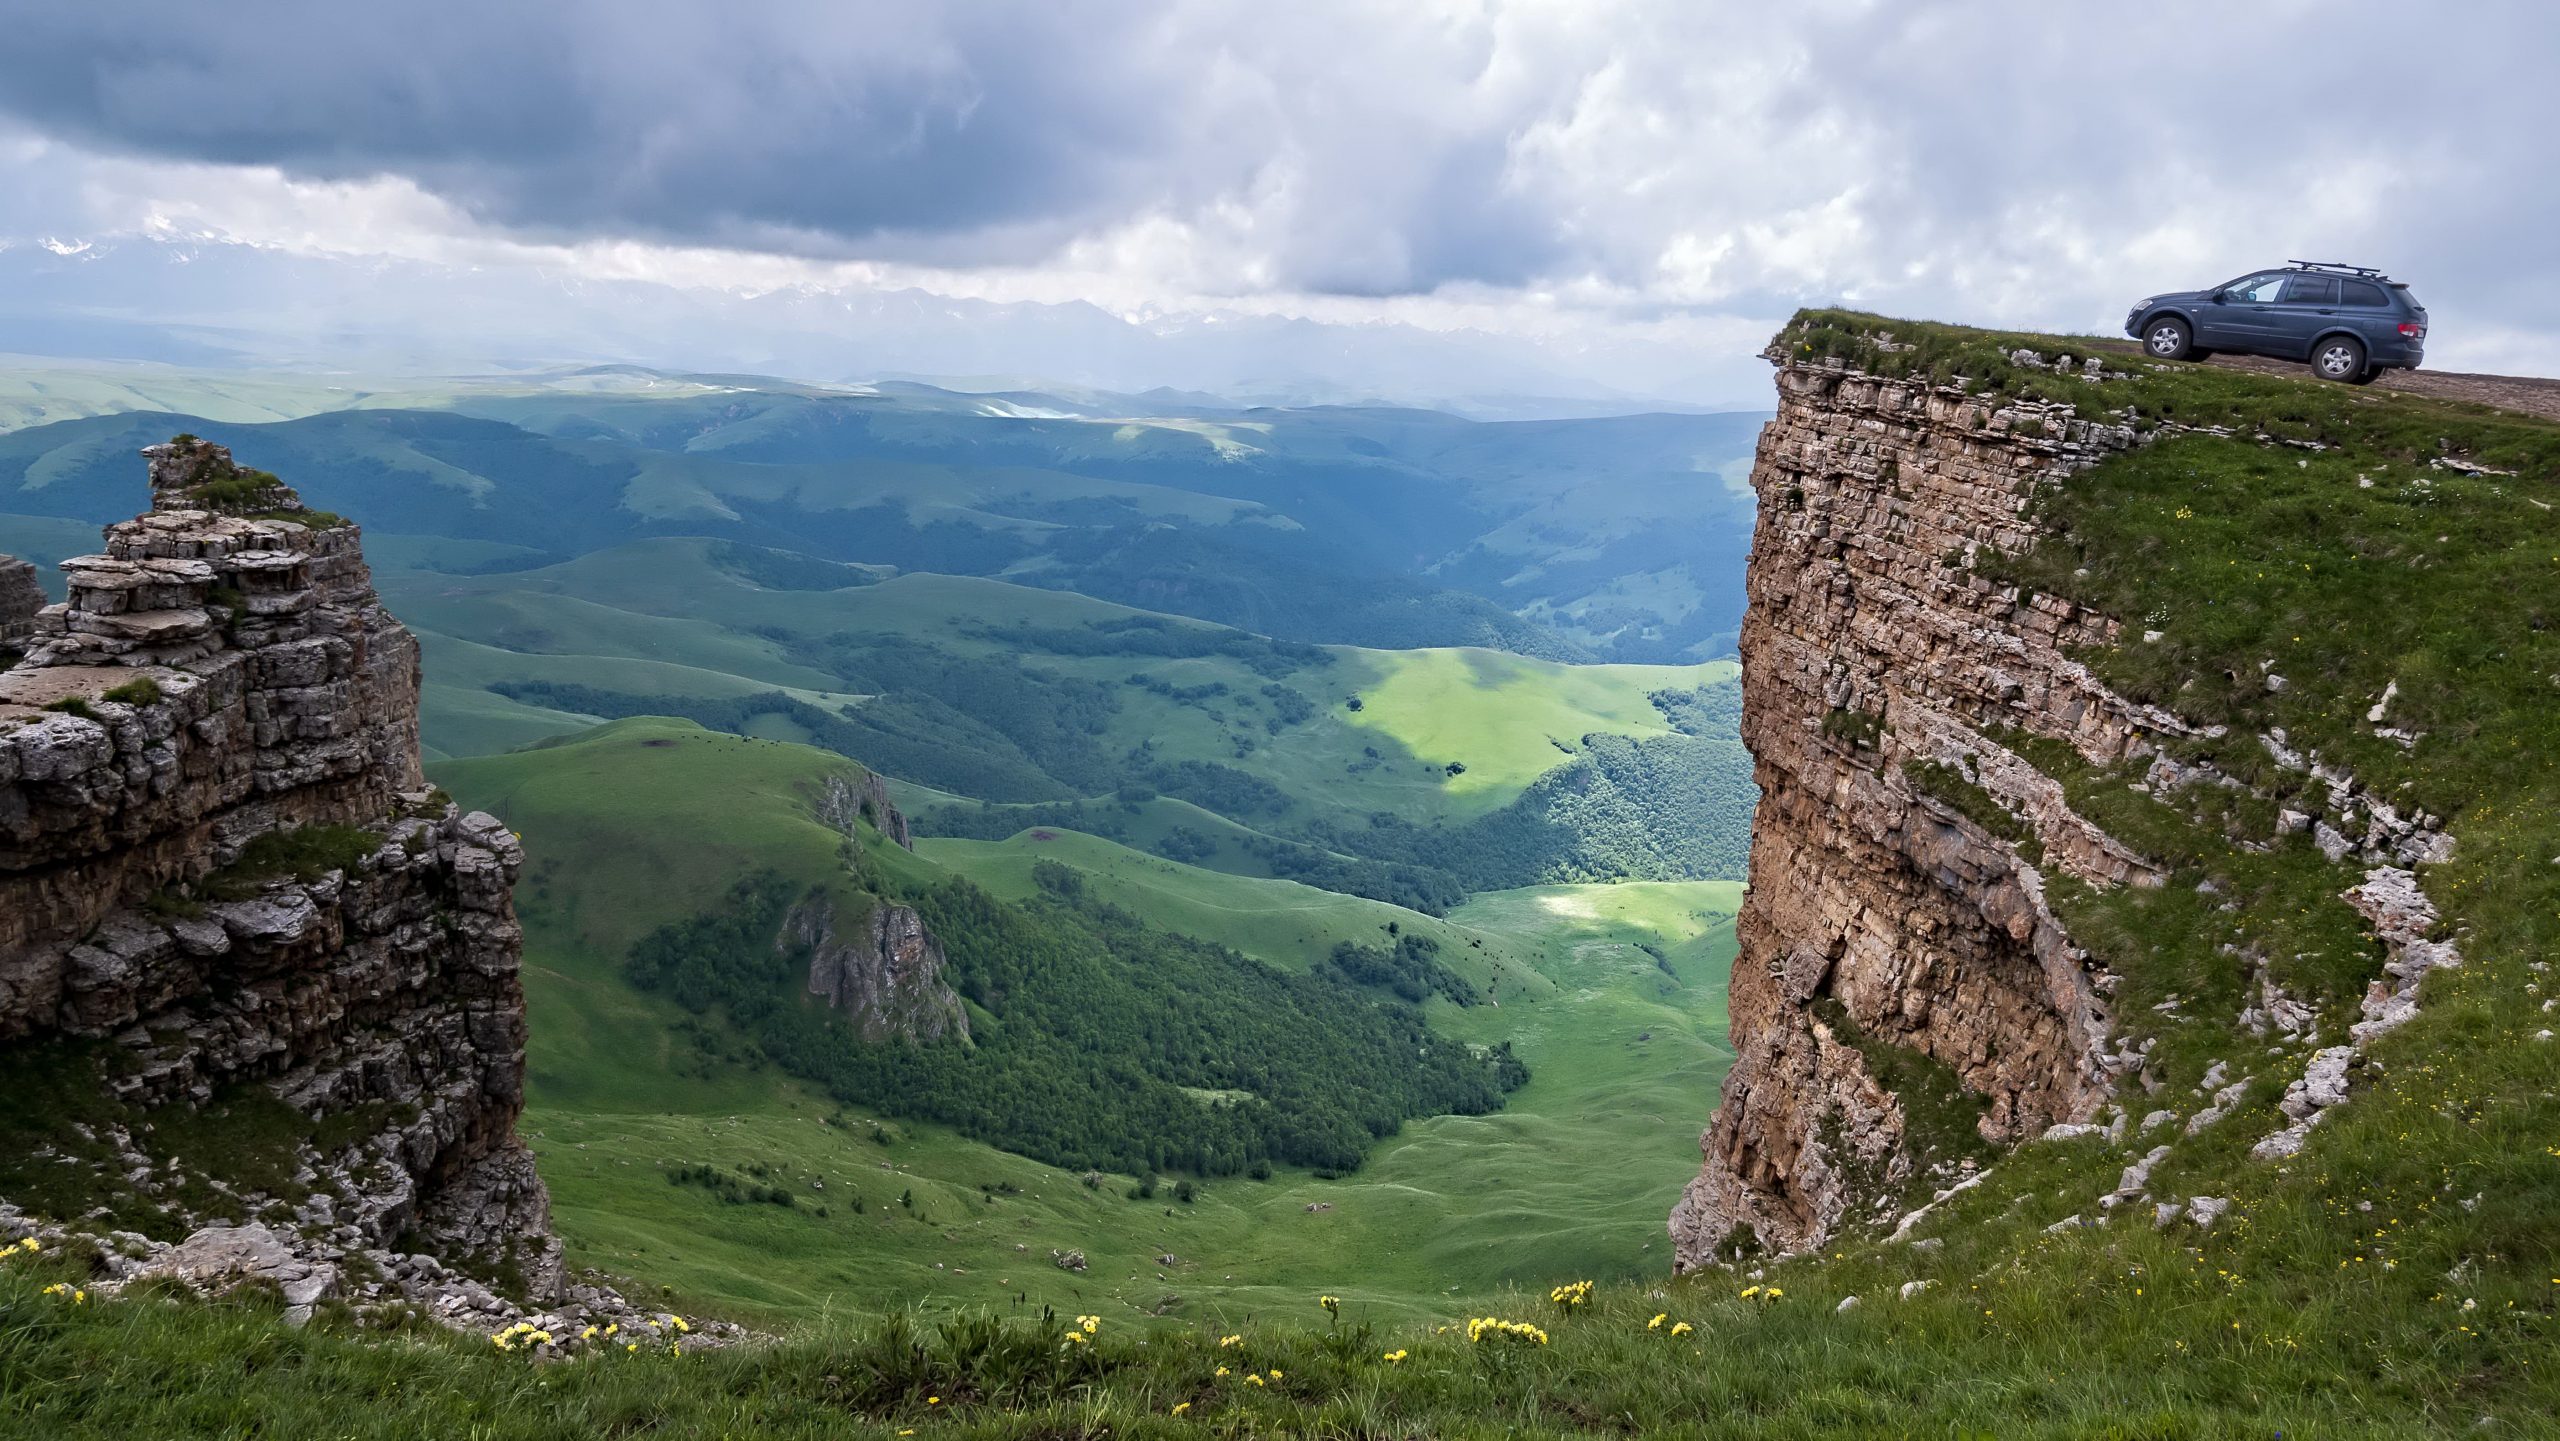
[[2168, 338], [2341, 358]]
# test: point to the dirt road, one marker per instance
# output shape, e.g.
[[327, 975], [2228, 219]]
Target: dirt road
[[2526, 395]]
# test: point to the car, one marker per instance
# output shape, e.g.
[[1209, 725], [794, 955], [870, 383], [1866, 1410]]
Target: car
[[2347, 321]]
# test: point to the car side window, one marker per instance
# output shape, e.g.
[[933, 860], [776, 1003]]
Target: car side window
[[2311, 290], [2359, 292], [2257, 289]]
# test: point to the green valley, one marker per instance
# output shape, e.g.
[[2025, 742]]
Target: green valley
[[1612, 996]]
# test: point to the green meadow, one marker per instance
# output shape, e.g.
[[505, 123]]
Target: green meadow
[[1613, 995]]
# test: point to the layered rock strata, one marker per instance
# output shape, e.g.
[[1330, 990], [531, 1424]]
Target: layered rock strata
[[223, 875], [20, 598], [879, 966], [1882, 674]]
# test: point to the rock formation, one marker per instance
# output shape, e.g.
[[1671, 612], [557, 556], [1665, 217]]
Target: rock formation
[[20, 598], [844, 803], [883, 970], [224, 881], [1900, 847]]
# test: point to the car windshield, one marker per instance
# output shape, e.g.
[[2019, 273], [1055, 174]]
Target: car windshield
[[2260, 289]]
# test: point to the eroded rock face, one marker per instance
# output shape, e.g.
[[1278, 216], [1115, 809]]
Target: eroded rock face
[[1879, 668], [844, 803], [218, 858], [883, 970], [20, 598]]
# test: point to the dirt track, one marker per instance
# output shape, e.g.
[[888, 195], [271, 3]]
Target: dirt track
[[2526, 395]]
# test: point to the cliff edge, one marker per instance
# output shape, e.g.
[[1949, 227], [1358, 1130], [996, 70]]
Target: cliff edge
[[258, 981], [1969, 779]]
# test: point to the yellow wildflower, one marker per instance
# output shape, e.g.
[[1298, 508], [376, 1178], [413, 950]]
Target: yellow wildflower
[[1253, 1380], [1656, 1323], [1681, 1328], [1396, 1356], [1181, 1406], [1229, 1340], [1222, 1370], [1749, 1292]]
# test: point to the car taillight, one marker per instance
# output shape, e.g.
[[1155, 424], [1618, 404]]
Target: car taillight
[[2412, 330]]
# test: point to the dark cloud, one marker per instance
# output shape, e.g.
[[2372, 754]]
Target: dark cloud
[[2021, 162], [822, 125]]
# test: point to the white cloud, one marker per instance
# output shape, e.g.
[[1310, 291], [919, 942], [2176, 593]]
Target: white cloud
[[1604, 182]]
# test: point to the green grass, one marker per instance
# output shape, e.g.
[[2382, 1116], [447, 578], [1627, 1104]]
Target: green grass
[[1506, 718], [643, 821], [682, 625], [1280, 921]]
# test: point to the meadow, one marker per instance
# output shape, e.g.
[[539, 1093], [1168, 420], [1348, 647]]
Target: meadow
[[1612, 994]]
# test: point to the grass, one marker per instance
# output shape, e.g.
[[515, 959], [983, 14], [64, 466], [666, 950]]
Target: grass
[[661, 617], [2392, 1280], [645, 820], [1280, 921]]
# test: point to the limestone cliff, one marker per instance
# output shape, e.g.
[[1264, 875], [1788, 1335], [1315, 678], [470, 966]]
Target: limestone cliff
[[224, 882], [879, 966], [20, 598], [1896, 903]]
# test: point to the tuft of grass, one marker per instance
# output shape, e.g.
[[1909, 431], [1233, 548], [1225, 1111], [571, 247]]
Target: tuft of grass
[[302, 853], [141, 691]]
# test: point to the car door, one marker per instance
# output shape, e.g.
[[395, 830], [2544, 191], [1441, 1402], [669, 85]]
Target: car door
[[2309, 306], [2242, 315]]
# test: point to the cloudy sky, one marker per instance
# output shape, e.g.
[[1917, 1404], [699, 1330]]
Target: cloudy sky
[[1437, 199]]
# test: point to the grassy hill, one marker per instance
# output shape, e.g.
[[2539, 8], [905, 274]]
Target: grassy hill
[[1481, 768], [1616, 1037], [2391, 1280], [1376, 527]]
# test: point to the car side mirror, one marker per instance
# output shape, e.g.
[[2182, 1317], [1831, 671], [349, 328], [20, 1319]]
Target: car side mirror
[[2222, 297]]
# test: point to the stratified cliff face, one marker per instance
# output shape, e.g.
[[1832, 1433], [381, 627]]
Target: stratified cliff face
[[221, 873], [1881, 676], [20, 598], [880, 967]]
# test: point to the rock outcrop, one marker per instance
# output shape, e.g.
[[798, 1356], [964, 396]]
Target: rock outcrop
[[844, 803], [20, 598], [879, 966], [1901, 844], [223, 880]]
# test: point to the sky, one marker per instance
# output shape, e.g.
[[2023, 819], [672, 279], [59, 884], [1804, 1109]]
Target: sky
[[1571, 204]]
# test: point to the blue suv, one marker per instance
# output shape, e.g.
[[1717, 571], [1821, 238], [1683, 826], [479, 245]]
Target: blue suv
[[2349, 322]]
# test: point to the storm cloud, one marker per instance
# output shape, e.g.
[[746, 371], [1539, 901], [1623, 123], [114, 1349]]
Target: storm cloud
[[1638, 159]]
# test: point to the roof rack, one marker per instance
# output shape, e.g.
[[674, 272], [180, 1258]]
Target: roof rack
[[2332, 267]]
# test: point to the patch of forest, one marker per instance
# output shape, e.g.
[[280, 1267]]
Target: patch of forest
[[1093, 1032]]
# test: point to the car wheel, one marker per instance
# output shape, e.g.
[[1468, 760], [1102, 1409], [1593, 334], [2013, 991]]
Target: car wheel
[[2168, 339], [2339, 357]]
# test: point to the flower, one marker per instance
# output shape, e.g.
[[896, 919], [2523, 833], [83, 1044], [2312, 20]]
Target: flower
[[1178, 1407], [1571, 1295], [933, 1400], [1229, 1340], [1252, 1380], [1396, 1356], [1222, 1370], [1332, 1306], [1484, 1326], [1090, 1324], [1681, 1328], [1656, 1323], [1750, 1291], [1275, 1373]]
